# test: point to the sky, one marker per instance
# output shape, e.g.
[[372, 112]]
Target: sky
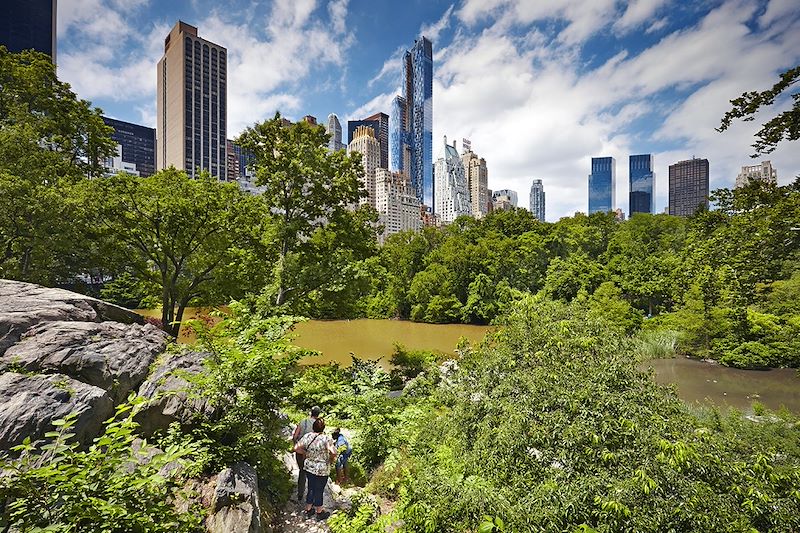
[[539, 87]]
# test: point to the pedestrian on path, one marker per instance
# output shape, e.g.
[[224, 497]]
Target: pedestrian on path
[[303, 428], [319, 453], [344, 450]]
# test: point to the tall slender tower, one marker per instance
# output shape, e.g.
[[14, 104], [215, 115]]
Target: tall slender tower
[[191, 104], [537, 200], [477, 179], [602, 185], [642, 181], [411, 122], [334, 129], [452, 193]]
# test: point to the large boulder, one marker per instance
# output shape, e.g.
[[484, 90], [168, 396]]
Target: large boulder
[[235, 507], [115, 357], [23, 305], [169, 393], [30, 404]]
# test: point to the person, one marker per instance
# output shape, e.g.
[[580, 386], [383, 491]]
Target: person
[[344, 450], [319, 453], [304, 427]]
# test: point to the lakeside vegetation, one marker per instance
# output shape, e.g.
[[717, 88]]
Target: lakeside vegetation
[[547, 425]]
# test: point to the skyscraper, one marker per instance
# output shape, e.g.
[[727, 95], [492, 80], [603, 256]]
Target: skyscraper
[[379, 122], [642, 178], [29, 24], [191, 104], [452, 193], [138, 144], [411, 122], [602, 185], [396, 203], [334, 129], [477, 179], [365, 143], [763, 172], [507, 193], [688, 186], [537, 200]]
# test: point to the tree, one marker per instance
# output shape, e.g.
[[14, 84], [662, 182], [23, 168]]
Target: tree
[[785, 126], [182, 234], [48, 140], [46, 133], [307, 187]]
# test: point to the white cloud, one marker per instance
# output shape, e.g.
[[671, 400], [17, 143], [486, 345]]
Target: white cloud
[[538, 115], [638, 12]]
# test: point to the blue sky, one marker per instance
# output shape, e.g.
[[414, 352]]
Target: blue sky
[[538, 86]]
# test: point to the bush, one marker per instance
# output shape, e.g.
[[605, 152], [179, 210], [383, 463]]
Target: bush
[[552, 428], [112, 486], [658, 344], [751, 355]]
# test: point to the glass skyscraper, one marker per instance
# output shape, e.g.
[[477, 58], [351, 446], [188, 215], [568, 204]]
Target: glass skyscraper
[[602, 185], [29, 24], [537, 200], [411, 122], [138, 144], [642, 199]]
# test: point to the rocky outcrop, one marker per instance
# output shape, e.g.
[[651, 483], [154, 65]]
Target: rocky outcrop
[[169, 393], [235, 507], [23, 305], [115, 357], [30, 403]]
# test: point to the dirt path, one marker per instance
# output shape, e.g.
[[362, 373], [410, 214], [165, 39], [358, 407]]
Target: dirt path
[[294, 520]]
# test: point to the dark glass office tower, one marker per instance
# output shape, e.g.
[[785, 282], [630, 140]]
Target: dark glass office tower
[[688, 187], [602, 185], [642, 178], [138, 144], [411, 128], [29, 24]]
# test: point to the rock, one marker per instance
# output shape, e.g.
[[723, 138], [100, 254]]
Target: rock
[[29, 405], [235, 507], [23, 305], [170, 395], [115, 357]]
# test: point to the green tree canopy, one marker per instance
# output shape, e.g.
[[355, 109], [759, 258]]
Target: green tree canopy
[[185, 235]]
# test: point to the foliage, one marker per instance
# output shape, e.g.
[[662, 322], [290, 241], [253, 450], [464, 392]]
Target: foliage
[[115, 485], [784, 126], [248, 380], [657, 344], [48, 140], [408, 364], [308, 190], [179, 234], [593, 442]]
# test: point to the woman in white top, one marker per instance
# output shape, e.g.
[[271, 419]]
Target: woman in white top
[[320, 452]]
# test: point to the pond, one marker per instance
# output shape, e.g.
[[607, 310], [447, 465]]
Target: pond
[[696, 381]]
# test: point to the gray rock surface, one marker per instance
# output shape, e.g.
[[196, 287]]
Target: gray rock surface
[[235, 507], [169, 392], [23, 305], [115, 357], [29, 405]]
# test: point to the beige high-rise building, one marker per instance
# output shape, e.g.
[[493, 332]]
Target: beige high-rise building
[[191, 104], [763, 172], [396, 202], [365, 143], [477, 180]]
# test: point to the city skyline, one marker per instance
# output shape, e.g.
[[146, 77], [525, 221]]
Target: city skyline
[[569, 82]]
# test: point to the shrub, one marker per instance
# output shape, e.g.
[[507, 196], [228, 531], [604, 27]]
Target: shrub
[[111, 486]]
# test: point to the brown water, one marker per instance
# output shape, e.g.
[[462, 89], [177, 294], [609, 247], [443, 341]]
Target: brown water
[[699, 382], [696, 381], [375, 339]]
